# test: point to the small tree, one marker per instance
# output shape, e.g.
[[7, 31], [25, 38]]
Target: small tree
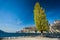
[[40, 18]]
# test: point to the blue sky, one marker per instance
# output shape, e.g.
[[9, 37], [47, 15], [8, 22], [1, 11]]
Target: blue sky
[[17, 14]]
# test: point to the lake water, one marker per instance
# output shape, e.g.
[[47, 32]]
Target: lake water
[[29, 34]]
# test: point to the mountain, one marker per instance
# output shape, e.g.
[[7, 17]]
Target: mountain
[[2, 31], [55, 27], [31, 29]]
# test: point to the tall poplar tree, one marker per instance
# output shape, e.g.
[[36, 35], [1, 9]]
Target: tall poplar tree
[[40, 18]]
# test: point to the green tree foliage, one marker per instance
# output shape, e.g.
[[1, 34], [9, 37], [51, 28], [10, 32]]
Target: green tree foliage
[[40, 18]]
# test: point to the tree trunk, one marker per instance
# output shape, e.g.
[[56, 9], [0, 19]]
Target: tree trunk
[[41, 32]]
